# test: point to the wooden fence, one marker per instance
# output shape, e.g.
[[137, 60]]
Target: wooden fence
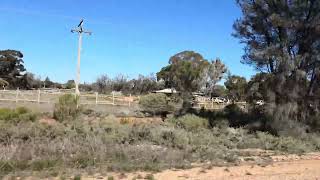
[[51, 97], [42, 96]]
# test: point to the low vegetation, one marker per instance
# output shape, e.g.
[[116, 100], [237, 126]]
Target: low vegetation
[[17, 115], [67, 108], [106, 143], [156, 104]]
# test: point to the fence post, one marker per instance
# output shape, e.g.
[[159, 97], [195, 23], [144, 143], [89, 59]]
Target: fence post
[[17, 95], [39, 96], [96, 98], [130, 101], [112, 98]]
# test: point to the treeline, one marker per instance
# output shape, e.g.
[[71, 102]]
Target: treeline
[[121, 83], [202, 79], [14, 75]]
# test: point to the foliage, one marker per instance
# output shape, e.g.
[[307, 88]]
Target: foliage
[[139, 86], [189, 72], [11, 67], [32, 81], [48, 83], [211, 75], [20, 114], [283, 40], [191, 122], [103, 84], [145, 84], [155, 104], [105, 143], [236, 87], [219, 91], [67, 108], [3, 82], [70, 84], [184, 71]]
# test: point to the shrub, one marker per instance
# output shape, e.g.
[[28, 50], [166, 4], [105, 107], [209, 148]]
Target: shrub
[[106, 143], [7, 114], [236, 116], [149, 177], [191, 122], [67, 108], [155, 104], [22, 110], [17, 115]]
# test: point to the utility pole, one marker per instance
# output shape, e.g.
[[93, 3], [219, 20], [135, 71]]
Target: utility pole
[[80, 31]]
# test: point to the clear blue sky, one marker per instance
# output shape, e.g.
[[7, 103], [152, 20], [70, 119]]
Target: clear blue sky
[[129, 36]]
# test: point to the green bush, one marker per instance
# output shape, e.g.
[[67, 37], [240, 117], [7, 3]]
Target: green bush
[[155, 104], [67, 108], [7, 114], [22, 110], [190, 122], [17, 115]]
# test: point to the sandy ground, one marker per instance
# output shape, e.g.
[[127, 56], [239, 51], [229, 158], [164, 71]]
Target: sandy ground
[[282, 167]]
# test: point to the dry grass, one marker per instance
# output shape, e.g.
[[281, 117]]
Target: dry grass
[[104, 142]]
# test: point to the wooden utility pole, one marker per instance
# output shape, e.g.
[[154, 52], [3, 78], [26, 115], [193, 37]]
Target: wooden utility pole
[[80, 31]]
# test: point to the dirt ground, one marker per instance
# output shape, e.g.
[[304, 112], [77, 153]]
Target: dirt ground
[[279, 167], [282, 167]]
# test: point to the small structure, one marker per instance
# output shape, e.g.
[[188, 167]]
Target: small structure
[[166, 91]]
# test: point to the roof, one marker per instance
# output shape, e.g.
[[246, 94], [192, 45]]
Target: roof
[[166, 91]]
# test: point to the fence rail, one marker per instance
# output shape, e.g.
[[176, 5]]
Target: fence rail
[[51, 97], [42, 96]]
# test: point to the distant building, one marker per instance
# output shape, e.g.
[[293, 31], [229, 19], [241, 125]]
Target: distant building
[[166, 91]]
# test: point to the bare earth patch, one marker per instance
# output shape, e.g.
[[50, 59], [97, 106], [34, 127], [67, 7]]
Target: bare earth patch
[[282, 167], [293, 167]]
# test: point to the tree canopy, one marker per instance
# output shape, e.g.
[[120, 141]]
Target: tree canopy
[[282, 37], [282, 40], [188, 72], [11, 67], [236, 86]]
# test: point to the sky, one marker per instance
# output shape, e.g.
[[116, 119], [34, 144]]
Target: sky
[[130, 37]]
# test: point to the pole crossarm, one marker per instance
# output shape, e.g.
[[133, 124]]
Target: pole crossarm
[[81, 31]]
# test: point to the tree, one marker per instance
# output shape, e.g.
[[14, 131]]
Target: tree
[[211, 75], [103, 84], [282, 38], [145, 84], [120, 83], [219, 91], [30, 81], [188, 72], [11, 67], [70, 84], [48, 83], [236, 86], [184, 71]]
